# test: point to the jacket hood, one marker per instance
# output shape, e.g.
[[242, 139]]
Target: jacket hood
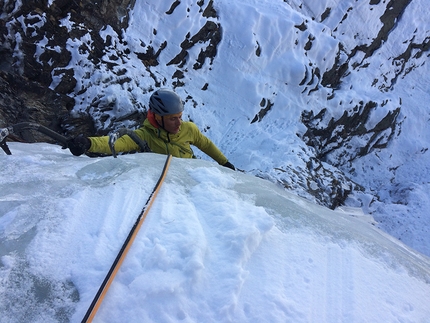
[[151, 118]]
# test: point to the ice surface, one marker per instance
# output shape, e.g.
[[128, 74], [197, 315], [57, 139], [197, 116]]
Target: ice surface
[[217, 245]]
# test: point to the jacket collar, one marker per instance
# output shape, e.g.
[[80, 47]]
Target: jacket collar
[[154, 127]]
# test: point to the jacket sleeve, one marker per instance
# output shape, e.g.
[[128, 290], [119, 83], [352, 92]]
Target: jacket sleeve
[[100, 145], [207, 146]]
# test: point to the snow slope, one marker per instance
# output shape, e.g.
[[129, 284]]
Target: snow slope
[[216, 246]]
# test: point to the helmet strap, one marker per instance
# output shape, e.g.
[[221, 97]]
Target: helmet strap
[[160, 120]]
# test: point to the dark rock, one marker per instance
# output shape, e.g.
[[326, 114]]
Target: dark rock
[[331, 138], [266, 106], [393, 13], [210, 33], [26, 78], [23, 100]]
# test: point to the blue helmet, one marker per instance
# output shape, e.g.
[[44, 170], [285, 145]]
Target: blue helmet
[[164, 102]]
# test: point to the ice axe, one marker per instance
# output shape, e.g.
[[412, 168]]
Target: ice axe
[[5, 132]]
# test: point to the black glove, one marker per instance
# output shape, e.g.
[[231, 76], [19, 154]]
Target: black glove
[[229, 165], [79, 145]]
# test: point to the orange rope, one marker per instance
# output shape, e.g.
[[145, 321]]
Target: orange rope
[[125, 248]]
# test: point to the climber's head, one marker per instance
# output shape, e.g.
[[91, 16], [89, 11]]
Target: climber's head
[[167, 108]]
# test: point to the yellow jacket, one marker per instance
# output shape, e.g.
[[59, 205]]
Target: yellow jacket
[[162, 142]]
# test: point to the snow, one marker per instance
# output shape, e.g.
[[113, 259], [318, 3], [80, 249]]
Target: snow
[[216, 246]]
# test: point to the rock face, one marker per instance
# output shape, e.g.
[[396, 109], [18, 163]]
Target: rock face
[[36, 59], [38, 82], [27, 70]]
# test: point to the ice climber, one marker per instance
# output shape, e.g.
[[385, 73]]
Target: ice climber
[[163, 130]]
